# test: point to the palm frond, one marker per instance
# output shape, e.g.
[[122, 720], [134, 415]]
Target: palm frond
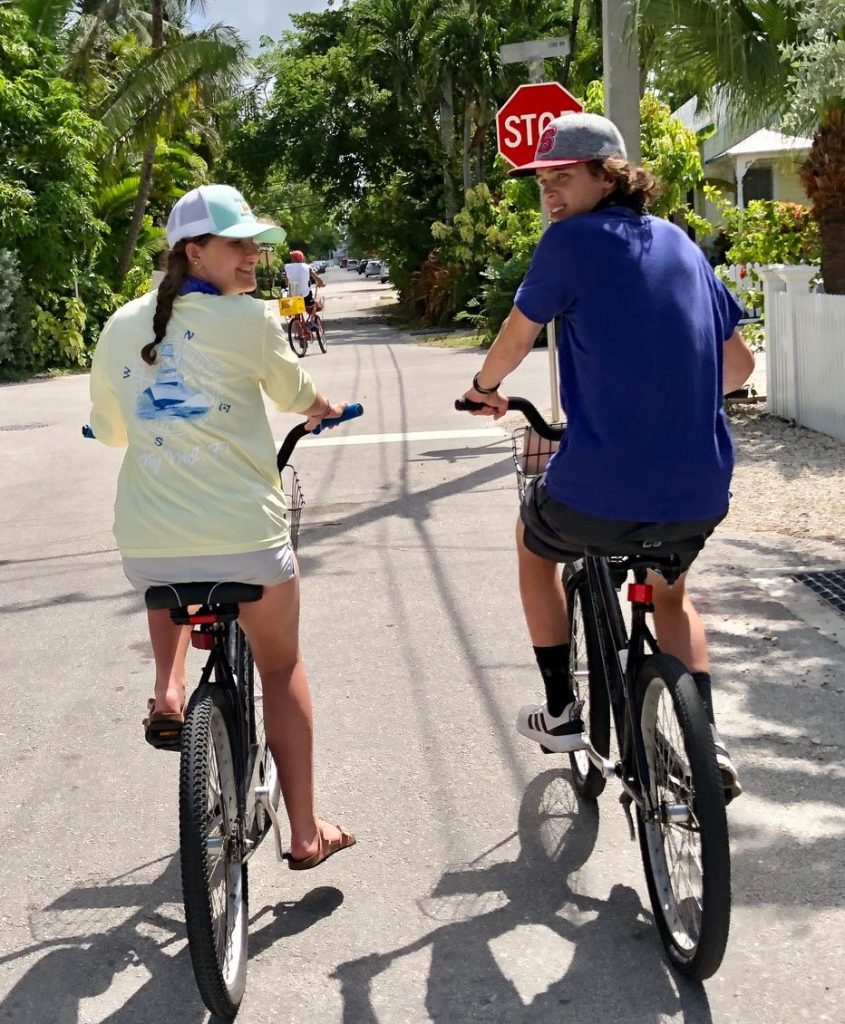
[[47, 17], [163, 74], [733, 45], [118, 198]]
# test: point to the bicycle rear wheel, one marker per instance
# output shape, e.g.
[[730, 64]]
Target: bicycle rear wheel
[[319, 332], [684, 847], [589, 687], [298, 335], [214, 881]]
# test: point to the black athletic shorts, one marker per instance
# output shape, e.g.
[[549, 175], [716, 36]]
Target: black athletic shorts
[[560, 533]]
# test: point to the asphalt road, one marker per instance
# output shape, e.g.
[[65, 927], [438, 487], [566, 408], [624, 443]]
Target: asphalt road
[[480, 891]]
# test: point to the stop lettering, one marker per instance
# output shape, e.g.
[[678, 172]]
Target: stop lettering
[[521, 119]]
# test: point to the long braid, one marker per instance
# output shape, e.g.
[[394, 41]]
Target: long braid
[[177, 268]]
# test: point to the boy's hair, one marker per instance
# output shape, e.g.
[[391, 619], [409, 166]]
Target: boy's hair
[[634, 187]]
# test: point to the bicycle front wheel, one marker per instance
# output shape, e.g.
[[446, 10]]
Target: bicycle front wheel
[[298, 336], [684, 844], [214, 880], [588, 685], [319, 332]]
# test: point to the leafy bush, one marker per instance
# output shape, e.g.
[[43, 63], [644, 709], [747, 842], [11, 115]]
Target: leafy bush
[[764, 232], [14, 322]]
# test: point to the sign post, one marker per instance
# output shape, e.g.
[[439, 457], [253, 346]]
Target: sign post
[[519, 124]]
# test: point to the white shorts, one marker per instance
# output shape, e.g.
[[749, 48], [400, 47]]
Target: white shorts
[[266, 568]]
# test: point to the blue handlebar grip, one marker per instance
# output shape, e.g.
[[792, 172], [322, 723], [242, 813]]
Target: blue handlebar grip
[[87, 431], [351, 412]]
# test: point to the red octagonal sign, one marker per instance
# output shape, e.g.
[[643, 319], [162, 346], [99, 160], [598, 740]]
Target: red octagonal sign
[[522, 118]]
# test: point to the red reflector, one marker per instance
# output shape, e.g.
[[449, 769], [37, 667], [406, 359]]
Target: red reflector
[[201, 620], [640, 593], [204, 641]]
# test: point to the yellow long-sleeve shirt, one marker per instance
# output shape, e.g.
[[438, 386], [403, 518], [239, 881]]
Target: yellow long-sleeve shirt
[[199, 476]]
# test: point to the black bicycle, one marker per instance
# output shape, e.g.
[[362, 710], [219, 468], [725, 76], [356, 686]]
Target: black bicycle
[[229, 787], [666, 760]]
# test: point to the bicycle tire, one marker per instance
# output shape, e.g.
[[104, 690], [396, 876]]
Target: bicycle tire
[[682, 767], [319, 332], [208, 823], [297, 342], [589, 686]]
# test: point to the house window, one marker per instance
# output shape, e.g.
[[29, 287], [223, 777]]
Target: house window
[[758, 183]]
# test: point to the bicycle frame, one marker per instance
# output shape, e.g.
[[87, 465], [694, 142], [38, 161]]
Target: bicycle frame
[[218, 623], [620, 657]]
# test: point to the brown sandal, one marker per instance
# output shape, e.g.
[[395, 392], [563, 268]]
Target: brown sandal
[[163, 729], [325, 849]]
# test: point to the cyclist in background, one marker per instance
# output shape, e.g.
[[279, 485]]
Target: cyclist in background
[[648, 348], [301, 276], [176, 379]]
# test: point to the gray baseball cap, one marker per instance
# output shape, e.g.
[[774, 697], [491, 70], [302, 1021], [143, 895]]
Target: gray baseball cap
[[575, 139]]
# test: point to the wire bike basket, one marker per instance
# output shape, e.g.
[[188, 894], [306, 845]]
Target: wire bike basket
[[295, 500], [531, 454]]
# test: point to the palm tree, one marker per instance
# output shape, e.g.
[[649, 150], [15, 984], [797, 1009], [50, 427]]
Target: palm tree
[[742, 48], [138, 96]]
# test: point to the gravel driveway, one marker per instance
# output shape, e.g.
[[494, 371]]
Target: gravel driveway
[[788, 480]]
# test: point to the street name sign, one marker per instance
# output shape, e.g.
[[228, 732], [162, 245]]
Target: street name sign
[[517, 53]]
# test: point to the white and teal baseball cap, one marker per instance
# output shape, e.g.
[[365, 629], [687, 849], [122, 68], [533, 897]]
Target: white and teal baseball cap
[[217, 210]]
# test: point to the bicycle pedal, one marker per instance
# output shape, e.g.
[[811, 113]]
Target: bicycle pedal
[[546, 749]]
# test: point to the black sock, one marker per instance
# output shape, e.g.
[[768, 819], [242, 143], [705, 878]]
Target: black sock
[[703, 682], [553, 663]]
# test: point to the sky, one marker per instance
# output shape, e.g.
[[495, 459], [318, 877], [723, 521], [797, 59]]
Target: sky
[[256, 18]]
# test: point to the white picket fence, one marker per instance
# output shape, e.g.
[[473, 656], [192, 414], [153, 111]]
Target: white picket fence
[[805, 350], [742, 278]]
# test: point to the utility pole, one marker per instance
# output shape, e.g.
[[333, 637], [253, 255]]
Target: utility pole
[[621, 53]]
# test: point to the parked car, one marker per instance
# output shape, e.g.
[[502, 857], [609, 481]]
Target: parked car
[[385, 273], [319, 266], [352, 264], [373, 268]]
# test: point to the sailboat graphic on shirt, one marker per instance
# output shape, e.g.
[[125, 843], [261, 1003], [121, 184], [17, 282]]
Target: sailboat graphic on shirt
[[168, 397]]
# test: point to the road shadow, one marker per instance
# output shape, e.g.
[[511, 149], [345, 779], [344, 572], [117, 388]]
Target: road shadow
[[139, 968], [595, 960]]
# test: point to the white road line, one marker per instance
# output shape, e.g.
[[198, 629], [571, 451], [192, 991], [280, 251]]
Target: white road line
[[324, 439]]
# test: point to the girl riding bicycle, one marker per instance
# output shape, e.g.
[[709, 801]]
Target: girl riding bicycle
[[177, 378]]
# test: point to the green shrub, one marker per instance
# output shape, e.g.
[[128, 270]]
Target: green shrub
[[14, 321]]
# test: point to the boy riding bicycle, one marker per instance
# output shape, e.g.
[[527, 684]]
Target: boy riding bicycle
[[647, 349]]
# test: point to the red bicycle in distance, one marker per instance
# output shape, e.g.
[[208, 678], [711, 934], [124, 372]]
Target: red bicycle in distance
[[305, 324]]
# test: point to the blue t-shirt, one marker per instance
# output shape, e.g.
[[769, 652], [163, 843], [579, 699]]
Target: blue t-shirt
[[644, 320]]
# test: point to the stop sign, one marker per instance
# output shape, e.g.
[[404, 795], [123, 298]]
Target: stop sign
[[522, 118]]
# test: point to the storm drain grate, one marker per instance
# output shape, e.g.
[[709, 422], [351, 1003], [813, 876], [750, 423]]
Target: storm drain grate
[[829, 586]]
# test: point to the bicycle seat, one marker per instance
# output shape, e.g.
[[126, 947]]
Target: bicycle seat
[[665, 557], [179, 595]]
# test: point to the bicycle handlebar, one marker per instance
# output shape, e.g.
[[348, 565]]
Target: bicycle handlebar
[[351, 412], [528, 410]]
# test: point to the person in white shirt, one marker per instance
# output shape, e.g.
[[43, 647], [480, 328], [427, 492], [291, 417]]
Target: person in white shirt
[[177, 379], [300, 277]]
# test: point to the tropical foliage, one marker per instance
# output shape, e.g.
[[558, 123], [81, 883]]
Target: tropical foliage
[[370, 124]]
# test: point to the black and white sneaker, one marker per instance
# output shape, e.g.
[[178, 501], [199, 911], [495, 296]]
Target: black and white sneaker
[[730, 776], [559, 735]]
